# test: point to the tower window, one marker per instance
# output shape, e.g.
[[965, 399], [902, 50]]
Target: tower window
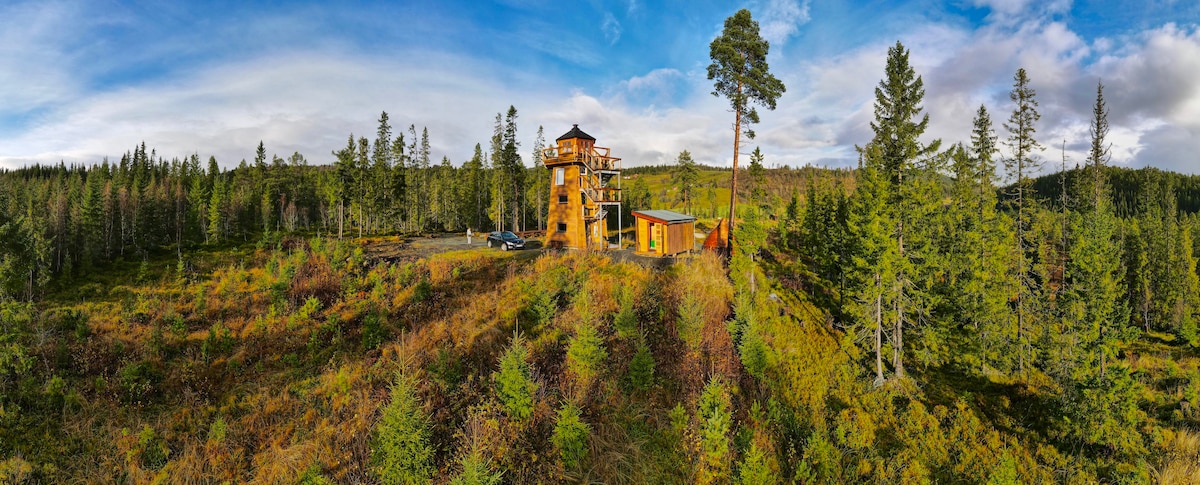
[[562, 227], [562, 199], [559, 176]]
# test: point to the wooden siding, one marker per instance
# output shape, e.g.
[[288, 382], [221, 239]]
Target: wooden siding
[[572, 155], [570, 213], [669, 239]]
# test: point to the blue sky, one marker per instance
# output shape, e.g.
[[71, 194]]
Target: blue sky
[[83, 80]]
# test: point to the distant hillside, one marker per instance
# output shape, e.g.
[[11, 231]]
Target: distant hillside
[[712, 197], [1129, 186]]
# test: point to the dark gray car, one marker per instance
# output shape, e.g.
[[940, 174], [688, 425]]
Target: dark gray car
[[505, 240]]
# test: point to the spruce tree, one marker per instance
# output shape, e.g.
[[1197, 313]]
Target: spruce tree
[[758, 175], [1093, 184], [684, 177], [716, 422], [513, 166], [541, 180], [401, 451], [1096, 297], [903, 160], [1021, 163], [984, 248], [514, 381], [586, 355], [215, 210], [874, 251], [570, 436]]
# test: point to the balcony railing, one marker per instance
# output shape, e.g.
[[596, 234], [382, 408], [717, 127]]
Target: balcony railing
[[603, 194], [595, 158]]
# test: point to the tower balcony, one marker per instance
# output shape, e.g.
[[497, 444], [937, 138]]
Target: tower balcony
[[604, 195], [596, 159]]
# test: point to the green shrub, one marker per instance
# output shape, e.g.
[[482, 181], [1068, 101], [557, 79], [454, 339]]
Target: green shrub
[[152, 448], [422, 291], [753, 352], [690, 322], [445, 369], [373, 331], [401, 452], [313, 476], [514, 385], [218, 341], [641, 367], [55, 393], [541, 305], [69, 320], [217, 430], [476, 470], [586, 354], [1005, 472], [625, 320], [138, 380], [716, 420], [753, 470], [570, 436]]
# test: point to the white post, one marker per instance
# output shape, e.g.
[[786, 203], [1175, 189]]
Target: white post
[[468, 236]]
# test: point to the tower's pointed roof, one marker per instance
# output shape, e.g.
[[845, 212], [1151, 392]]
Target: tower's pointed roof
[[575, 133]]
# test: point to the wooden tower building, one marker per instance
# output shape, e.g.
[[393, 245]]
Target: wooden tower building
[[585, 191]]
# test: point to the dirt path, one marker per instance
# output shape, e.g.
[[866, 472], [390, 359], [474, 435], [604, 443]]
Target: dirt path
[[403, 249], [396, 249]]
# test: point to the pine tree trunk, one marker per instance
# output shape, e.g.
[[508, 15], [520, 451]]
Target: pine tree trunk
[[516, 207], [737, 140]]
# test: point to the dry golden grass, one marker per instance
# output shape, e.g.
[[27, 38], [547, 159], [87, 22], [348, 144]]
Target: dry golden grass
[[1180, 464]]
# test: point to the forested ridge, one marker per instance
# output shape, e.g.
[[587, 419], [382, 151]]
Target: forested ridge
[[912, 320]]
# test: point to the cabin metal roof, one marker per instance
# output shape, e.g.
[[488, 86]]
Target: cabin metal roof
[[664, 216], [575, 133]]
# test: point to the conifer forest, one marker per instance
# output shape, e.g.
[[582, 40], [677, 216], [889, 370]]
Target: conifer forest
[[980, 310]]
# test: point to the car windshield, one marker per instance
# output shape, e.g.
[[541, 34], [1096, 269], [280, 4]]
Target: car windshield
[[508, 235]]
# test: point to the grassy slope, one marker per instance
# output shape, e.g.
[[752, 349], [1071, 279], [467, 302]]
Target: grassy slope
[[270, 365], [265, 365]]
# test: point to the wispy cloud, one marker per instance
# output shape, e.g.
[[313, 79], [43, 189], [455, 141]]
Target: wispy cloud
[[611, 28], [34, 62], [782, 18], [306, 102]]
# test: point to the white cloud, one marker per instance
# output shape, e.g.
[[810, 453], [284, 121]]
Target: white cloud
[[306, 102], [782, 18], [611, 28], [33, 61], [656, 88], [1011, 12]]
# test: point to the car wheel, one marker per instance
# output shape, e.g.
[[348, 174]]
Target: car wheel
[[504, 247]]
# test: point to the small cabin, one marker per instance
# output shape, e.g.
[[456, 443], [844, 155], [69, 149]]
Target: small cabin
[[664, 233]]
